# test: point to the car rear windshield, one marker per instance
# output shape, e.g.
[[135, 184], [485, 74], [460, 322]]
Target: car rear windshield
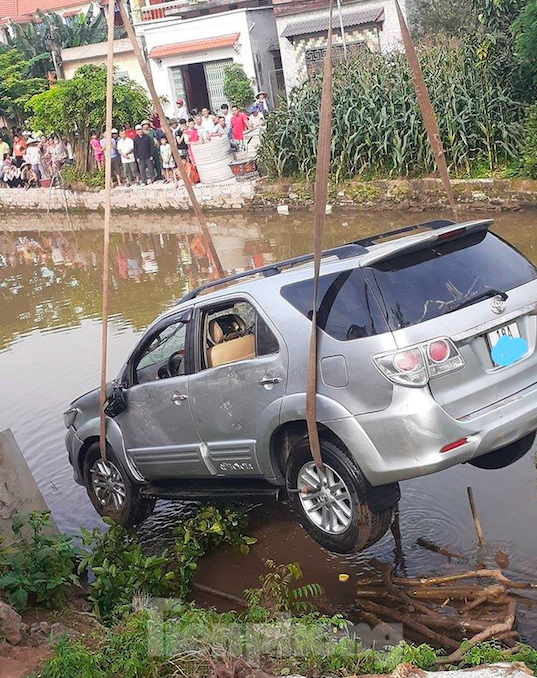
[[429, 283], [346, 309]]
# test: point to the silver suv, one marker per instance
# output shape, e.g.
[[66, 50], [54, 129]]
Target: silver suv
[[427, 358]]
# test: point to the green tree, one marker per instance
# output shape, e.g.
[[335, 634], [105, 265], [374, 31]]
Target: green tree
[[237, 86], [526, 37], [16, 87], [431, 17], [76, 107], [49, 32]]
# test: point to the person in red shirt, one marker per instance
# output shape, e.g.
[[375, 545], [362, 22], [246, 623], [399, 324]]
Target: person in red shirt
[[129, 132], [19, 149], [238, 123]]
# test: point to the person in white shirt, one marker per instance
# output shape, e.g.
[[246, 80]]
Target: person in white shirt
[[182, 111], [221, 129], [256, 119], [225, 112], [125, 148], [207, 123], [33, 157]]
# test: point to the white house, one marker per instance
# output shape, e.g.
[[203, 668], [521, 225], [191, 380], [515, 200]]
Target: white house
[[188, 45], [302, 30]]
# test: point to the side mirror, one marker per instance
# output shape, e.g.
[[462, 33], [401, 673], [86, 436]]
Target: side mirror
[[115, 403]]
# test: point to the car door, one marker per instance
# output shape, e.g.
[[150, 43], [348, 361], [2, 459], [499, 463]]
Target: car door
[[158, 429], [233, 399]]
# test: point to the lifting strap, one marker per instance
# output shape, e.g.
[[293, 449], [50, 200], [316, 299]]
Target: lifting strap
[[321, 197]]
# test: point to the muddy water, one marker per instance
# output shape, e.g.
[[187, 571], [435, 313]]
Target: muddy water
[[49, 354]]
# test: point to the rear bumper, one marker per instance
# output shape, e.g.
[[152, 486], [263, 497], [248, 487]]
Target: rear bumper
[[74, 445], [407, 437]]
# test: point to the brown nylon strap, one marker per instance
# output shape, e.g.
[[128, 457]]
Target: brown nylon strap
[[426, 108], [321, 197], [171, 139]]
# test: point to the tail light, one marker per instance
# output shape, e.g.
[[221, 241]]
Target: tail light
[[415, 365]]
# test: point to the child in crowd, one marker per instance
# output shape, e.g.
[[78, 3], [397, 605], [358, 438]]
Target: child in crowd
[[168, 163], [97, 150]]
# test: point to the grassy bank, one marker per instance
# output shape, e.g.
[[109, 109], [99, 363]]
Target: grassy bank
[[143, 627]]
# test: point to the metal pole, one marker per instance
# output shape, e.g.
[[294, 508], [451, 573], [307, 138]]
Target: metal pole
[[321, 197], [107, 208], [171, 139], [342, 29]]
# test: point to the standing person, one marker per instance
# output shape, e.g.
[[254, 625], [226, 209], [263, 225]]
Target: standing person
[[225, 112], [182, 111], [238, 124], [263, 102], [58, 154], [19, 148], [97, 150], [155, 154], [256, 119], [207, 124], [143, 152], [181, 137], [222, 129], [129, 131], [46, 157], [191, 136], [168, 164], [125, 148], [114, 155], [33, 158], [4, 149]]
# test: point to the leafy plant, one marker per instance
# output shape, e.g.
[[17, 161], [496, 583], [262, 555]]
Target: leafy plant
[[278, 593], [121, 570], [72, 177], [38, 566], [237, 86], [530, 152], [17, 86]]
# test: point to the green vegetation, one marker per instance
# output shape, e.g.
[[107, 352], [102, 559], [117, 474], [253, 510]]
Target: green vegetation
[[237, 86], [16, 84], [377, 130], [277, 593], [74, 108], [38, 566], [48, 32], [74, 178], [530, 154], [122, 570], [526, 37]]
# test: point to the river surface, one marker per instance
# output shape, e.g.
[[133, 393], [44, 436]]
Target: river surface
[[50, 313]]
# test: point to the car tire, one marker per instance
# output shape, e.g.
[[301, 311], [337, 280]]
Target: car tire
[[357, 526], [505, 456], [121, 500]]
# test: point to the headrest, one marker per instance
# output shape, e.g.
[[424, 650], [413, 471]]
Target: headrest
[[226, 328]]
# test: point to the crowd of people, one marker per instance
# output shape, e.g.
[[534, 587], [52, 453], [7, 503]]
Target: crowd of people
[[142, 154], [139, 154], [27, 158]]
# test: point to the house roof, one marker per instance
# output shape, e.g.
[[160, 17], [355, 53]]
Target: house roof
[[320, 24], [202, 45], [20, 11]]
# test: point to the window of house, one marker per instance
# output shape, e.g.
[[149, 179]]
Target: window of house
[[164, 356], [233, 333]]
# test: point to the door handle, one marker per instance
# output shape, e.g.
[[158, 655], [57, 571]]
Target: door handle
[[266, 381], [178, 397]]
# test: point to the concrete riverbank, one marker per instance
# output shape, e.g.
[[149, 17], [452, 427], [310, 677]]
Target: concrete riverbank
[[412, 194]]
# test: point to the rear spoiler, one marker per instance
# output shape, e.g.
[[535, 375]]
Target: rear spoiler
[[395, 248]]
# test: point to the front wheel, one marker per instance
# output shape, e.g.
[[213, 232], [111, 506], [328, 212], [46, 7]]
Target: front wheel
[[505, 456], [111, 491], [334, 509]]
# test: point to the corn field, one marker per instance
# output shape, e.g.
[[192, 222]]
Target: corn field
[[377, 130]]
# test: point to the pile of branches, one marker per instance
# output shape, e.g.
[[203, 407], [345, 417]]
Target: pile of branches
[[453, 612]]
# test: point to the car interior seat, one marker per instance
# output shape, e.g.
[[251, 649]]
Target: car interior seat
[[230, 340]]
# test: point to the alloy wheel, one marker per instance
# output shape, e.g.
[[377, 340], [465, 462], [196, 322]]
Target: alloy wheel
[[325, 498], [108, 484]]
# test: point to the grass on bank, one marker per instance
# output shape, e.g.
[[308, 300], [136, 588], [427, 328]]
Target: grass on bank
[[148, 630]]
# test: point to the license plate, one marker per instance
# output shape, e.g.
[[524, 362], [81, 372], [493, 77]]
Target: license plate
[[512, 332]]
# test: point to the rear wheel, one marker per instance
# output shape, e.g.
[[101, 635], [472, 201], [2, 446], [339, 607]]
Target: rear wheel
[[505, 456], [334, 510], [111, 491]]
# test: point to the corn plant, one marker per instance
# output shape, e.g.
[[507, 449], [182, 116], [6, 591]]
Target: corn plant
[[377, 129]]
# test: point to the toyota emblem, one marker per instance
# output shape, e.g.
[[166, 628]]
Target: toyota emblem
[[498, 305]]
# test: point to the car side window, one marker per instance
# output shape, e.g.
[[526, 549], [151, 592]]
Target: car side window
[[164, 356], [234, 332]]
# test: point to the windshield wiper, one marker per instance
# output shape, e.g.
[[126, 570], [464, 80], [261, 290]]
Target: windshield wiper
[[479, 297]]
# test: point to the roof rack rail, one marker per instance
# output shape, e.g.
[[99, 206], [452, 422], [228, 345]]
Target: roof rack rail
[[341, 252], [431, 225]]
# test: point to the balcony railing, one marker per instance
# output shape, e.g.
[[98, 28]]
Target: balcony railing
[[162, 10]]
